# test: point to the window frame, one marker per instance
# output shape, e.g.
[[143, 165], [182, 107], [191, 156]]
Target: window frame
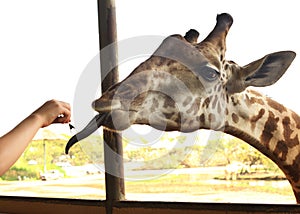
[[115, 186], [11, 204]]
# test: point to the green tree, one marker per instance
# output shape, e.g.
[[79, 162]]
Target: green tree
[[226, 149]]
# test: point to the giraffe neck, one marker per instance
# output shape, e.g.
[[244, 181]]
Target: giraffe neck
[[271, 128]]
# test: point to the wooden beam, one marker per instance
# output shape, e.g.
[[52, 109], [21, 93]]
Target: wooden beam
[[113, 151], [33, 205]]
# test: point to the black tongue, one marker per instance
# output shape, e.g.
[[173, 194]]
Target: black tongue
[[91, 127]]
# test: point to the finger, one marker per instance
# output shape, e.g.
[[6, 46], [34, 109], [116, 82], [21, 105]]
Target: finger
[[64, 117], [62, 120]]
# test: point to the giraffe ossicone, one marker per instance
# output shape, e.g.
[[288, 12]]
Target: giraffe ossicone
[[185, 86]]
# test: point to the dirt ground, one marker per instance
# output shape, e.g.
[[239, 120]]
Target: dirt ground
[[92, 187]]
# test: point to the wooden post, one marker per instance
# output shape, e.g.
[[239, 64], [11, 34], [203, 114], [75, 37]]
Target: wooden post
[[113, 152], [45, 156]]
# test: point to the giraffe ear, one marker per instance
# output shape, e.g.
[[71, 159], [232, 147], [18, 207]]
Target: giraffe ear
[[267, 70]]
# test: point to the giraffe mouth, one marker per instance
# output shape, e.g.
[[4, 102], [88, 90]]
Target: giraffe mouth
[[91, 127]]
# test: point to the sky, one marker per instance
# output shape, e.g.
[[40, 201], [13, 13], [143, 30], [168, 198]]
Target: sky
[[46, 46]]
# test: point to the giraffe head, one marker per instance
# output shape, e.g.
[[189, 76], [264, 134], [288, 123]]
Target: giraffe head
[[184, 85]]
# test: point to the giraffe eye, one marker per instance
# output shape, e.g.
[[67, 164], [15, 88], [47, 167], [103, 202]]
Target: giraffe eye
[[209, 74]]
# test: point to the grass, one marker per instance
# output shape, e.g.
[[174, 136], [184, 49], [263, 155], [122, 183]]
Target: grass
[[189, 185]]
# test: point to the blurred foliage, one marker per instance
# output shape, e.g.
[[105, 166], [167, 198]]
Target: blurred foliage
[[20, 172], [231, 149], [31, 163], [220, 150]]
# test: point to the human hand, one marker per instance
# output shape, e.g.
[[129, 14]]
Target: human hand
[[53, 111]]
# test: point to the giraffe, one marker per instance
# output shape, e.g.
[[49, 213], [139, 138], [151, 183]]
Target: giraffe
[[185, 86]]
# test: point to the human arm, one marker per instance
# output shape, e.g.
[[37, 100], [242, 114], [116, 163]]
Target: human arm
[[13, 144]]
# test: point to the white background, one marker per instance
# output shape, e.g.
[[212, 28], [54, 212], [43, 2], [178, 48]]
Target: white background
[[45, 45]]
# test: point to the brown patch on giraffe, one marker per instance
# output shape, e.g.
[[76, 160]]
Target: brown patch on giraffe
[[169, 103], [138, 100], [168, 115], [177, 119], [147, 65], [235, 102], [277, 106], [187, 101], [296, 118], [201, 118], [260, 101], [214, 102], [219, 108], [195, 106], [215, 88], [159, 61], [155, 105], [211, 118], [235, 118], [226, 124], [269, 128], [170, 63], [256, 100], [247, 100], [226, 66], [292, 174], [206, 103], [206, 50], [255, 118], [218, 88], [223, 96], [281, 148], [191, 123], [227, 98], [226, 111], [291, 142], [256, 93], [252, 100], [221, 57]]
